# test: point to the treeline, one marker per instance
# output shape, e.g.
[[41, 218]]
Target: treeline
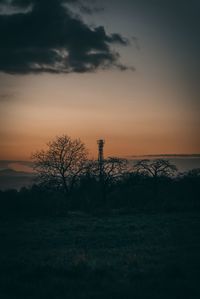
[[67, 180], [132, 193]]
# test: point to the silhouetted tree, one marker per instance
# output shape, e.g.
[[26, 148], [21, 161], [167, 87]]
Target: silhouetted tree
[[155, 168], [62, 163], [193, 173], [113, 170]]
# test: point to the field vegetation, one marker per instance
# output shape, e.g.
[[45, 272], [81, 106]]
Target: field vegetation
[[149, 255]]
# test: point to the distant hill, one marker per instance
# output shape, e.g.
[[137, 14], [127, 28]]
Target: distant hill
[[164, 156], [12, 172], [12, 179]]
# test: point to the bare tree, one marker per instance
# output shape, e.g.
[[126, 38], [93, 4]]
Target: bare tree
[[155, 168], [112, 171], [61, 163], [193, 173]]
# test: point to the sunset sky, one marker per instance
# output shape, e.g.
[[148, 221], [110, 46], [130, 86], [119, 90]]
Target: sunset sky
[[126, 71]]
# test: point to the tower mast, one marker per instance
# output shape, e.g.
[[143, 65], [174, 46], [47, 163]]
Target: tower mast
[[100, 143]]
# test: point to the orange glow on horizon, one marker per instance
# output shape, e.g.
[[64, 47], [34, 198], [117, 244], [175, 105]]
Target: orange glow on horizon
[[115, 106]]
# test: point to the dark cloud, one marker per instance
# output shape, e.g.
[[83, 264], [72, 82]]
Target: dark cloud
[[4, 97], [49, 38], [18, 3]]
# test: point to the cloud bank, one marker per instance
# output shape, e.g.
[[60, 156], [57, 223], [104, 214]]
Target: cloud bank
[[45, 36]]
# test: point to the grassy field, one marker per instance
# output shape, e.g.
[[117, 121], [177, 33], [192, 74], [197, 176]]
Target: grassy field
[[118, 256]]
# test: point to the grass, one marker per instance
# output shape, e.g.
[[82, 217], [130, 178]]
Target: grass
[[118, 256]]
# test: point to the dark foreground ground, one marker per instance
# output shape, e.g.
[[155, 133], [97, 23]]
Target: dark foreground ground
[[137, 256]]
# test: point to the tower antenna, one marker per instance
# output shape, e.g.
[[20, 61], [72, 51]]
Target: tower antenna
[[100, 143]]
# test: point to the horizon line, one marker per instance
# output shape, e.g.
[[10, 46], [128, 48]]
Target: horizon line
[[164, 155], [127, 156]]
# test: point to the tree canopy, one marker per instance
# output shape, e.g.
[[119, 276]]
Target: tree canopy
[[61, 163], [155, 168]]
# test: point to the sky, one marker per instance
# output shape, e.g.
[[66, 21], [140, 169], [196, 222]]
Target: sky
[[126, 71]]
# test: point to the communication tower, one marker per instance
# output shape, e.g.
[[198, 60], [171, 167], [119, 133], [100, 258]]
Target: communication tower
[[100, 143]]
